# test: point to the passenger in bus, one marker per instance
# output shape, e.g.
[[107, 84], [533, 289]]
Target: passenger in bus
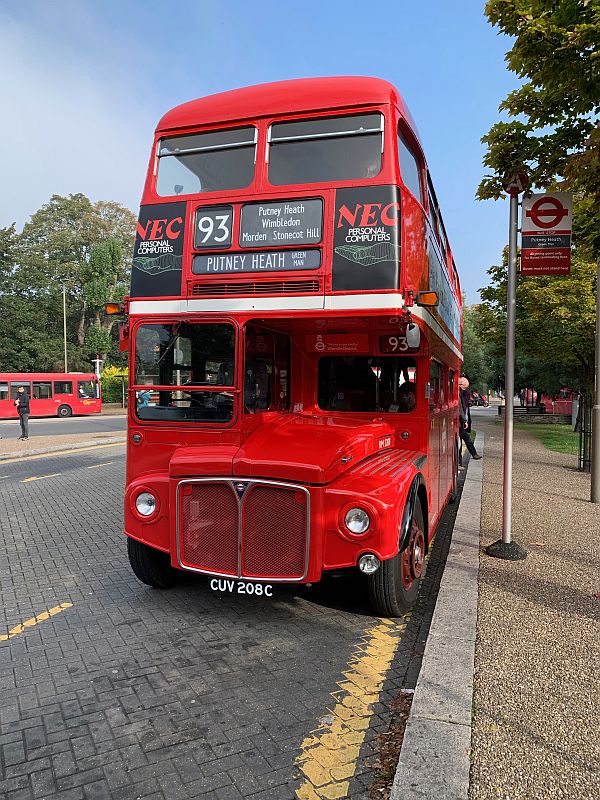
[[406, 397], [256, 386]]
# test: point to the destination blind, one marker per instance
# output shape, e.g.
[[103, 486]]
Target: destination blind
[[294, 222]]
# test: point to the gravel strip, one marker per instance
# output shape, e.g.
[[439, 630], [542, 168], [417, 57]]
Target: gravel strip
[[537, 663]]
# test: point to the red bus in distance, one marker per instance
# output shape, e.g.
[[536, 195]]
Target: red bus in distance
[[53, 394], [294, 333]]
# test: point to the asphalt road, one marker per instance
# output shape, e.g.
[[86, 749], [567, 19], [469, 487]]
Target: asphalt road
[[114, 690], [52, 426]]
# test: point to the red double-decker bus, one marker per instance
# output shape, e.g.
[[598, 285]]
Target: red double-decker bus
[[295, 341], [53, 394]]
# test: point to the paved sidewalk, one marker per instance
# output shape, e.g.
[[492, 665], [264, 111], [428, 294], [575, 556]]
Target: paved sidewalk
[[537, 663], [37, 445], [535, 716]]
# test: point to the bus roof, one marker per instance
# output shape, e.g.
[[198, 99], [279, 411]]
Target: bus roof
[[284, 97]]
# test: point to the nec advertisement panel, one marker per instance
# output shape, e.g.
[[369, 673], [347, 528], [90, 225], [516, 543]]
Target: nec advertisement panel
[[366, 239], [158, 251]]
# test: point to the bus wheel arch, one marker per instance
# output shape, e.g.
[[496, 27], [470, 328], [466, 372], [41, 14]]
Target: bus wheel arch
[[64, 410], [393, 589], [151, 566]]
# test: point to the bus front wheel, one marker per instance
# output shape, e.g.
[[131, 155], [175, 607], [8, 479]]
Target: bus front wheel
[[393, 589], [64, 411], [151, 566]]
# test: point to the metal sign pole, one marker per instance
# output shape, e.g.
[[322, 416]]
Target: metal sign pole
[[506, 548], [509, 368]]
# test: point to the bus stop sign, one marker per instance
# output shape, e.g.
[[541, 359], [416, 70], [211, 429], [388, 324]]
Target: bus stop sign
[[546, 230]]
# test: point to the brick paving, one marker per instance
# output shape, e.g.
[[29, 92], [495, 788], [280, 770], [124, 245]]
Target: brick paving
[[134, 693]]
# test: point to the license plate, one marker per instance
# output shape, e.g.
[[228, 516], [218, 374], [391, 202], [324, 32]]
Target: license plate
[[241, 587]]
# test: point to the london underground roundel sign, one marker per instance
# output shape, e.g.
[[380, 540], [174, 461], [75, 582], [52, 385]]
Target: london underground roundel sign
[[547, 212], [546, 227]]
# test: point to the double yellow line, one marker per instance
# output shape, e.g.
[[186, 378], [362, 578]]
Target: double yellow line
[[29, 623]]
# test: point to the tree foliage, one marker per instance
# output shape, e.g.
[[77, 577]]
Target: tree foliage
[[478, 363], [73, 243], [556, 50], [555, 318]]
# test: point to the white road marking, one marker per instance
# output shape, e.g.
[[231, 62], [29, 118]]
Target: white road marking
[[104, 464]]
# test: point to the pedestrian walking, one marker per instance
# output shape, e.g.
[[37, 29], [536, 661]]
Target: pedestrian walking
[[22, 404], [464, 397]]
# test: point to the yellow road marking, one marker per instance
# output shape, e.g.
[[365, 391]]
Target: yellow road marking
[[329, 754], [29, 623], [41, 477], [53, 453], [104, 464]]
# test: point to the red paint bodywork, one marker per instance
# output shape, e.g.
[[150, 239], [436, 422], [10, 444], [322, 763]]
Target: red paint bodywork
[[334, 455], [48, 407]]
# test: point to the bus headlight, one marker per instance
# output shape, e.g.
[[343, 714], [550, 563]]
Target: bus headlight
[[357, 520], [145, 504]]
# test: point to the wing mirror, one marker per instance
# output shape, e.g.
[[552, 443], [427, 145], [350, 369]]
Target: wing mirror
[[427, 299]]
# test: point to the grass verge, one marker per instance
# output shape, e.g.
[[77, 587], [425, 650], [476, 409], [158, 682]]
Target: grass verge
[[560, 438]]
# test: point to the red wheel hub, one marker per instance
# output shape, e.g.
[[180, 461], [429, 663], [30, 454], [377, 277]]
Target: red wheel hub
[[413, 556]]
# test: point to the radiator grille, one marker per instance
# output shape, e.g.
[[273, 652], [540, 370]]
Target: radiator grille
[[274, 524], [226, 288], [209, 526], [274, 529]]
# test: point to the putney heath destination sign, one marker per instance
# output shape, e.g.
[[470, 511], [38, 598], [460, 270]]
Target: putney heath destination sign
[[294, 222]]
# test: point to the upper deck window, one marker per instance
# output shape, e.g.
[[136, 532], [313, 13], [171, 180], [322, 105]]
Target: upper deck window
[[326, 149], [409, 167], [206, 162]]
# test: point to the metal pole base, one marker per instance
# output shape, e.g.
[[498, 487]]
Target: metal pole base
[[509, 551]]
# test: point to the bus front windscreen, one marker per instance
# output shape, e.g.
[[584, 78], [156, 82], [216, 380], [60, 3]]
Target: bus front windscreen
[[326, 149], [176, 363], [206, 162]]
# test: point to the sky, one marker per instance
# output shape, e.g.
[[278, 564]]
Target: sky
[[85, 82]]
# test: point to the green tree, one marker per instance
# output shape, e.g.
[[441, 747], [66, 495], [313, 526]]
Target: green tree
[[477, 362], [554, 326], [85, 247], [556, 50]]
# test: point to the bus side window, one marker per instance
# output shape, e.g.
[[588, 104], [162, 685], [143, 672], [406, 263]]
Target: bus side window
[[3, 391], [42, 390], [63, 387], [435, 398], [409, 167], [14, 385]]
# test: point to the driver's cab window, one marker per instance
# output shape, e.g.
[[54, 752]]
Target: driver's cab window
[[185, 371], [266, 371]]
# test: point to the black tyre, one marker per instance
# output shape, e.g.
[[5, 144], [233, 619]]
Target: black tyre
[[64, 411], [454, 490], [151, 566], [393, 589]]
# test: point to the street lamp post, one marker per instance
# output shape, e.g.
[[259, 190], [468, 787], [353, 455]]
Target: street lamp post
[[64, 293]]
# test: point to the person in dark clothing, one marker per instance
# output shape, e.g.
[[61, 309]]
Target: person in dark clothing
[[22, 404], [464, 411]]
